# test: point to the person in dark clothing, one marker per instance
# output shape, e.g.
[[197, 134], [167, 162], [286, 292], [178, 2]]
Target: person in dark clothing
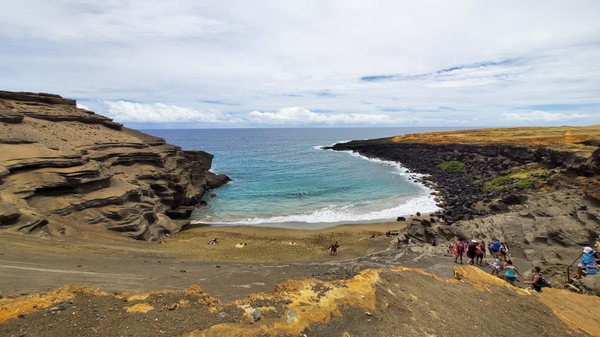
[[537, 280], [472, 251]]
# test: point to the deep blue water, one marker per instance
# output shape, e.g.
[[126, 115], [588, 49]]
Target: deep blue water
[[281, 177]]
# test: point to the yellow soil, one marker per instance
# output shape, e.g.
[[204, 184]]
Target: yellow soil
[[140, 308], [12, 307], [566, 138], [310, 306], [579, 312]]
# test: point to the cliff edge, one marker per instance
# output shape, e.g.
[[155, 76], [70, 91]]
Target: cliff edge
[[69, 171]]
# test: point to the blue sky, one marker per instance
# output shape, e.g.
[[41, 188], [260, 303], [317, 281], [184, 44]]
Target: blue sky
[[310, 63]]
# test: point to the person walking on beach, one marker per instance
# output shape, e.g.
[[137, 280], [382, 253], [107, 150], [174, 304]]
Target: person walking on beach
[[472, 251], [333, 248], [511, 272], [459, 250]]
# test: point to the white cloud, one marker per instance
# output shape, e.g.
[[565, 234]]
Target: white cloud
[[192, 52], [300, 115], [81, 106], [543, 116], [131, 112]]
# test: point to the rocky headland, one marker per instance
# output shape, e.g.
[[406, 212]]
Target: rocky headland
[[534, 188], [66, 171]]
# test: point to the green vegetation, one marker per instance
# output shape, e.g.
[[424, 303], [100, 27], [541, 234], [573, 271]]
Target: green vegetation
[[522, 180], [452, 166]]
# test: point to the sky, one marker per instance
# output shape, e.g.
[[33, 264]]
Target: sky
[[310, 63]]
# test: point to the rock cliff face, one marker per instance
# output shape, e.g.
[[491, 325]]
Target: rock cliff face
[[539, 193], [69, 171]]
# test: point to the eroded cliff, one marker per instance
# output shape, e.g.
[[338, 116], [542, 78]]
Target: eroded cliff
[[69, 171]]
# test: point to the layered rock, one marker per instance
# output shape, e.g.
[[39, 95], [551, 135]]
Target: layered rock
[[67, 171]]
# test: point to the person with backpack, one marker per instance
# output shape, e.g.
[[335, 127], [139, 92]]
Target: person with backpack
[[495, 247], [537, 280], [459, 250], [472, 251]]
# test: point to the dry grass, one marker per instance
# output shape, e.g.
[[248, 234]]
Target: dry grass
[[564, 138]]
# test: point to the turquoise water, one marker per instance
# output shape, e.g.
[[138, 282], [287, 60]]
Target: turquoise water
[[282, 177]]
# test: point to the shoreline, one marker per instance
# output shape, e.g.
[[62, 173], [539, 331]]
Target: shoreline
[[427, 191]]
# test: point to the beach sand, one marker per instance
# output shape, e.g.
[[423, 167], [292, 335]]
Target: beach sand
[[266, 244]]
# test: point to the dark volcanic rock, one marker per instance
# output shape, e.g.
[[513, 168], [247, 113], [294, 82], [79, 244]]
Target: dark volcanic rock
[[461, 191]]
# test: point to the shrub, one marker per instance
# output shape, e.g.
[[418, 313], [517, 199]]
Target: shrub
[[452, 166]]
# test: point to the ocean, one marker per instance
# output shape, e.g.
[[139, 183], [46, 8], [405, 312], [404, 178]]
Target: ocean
[[284, 178]]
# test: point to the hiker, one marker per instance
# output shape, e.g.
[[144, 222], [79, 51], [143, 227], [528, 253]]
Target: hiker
[[459, 250], [333, 248], [398, 242], [495, 248], [213, 241], [497, 266], [450, 249], [511, 272], [504, 251], [433, 242], [472, 251], [480, 253], [588, 263], [537, 279]]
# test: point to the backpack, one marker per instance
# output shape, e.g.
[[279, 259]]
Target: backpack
[[544, 283], [496, 245], [460, 246]]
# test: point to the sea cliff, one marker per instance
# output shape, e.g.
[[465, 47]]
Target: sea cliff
[[534, 188], [66, 171]]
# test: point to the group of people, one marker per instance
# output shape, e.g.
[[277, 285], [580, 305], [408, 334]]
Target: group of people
[[502, 266], [474, 250]]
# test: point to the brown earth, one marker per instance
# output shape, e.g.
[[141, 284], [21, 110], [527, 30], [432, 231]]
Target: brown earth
[[401, 301], [66, 171], [68, 175]]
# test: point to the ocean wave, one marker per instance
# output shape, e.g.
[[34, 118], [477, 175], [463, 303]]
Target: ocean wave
[[336, 214], [322, 147]]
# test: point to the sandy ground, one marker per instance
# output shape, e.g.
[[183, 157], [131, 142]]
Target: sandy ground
[[31, 264], [370, 288]]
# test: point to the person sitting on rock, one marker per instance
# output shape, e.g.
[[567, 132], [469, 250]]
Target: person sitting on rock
[[588, 263]]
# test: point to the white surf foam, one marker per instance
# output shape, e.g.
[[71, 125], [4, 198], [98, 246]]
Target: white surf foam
[[424, 202]]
